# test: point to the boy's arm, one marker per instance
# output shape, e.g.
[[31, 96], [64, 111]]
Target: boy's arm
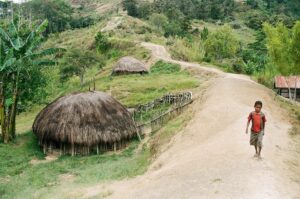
[[264, 123], [247, 126], [248, 123]]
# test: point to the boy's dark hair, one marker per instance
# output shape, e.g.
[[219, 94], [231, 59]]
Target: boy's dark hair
[[258, 103]]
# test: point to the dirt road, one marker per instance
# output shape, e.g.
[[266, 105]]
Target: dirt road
[[211, 157]]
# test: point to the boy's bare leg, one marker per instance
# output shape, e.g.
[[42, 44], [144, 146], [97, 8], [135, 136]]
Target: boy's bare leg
[[256, 152], [259, 152]]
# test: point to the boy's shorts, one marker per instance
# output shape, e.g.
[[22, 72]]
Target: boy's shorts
[[256, 138]]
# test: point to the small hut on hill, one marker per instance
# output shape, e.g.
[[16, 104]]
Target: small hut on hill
[[284, 85], [82, 123], [129, 65]]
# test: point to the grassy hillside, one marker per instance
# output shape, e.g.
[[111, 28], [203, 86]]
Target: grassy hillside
[[22, 161], [24, 171]]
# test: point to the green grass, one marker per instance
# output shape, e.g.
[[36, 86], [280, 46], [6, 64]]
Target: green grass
[[146, 116], [21, 179], [164, 135], [130, 90]]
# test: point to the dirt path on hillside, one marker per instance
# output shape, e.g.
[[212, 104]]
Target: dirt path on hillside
[[211, 157]]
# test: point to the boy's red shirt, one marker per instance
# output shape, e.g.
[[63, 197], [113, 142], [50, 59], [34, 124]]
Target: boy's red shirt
[[256, 121]]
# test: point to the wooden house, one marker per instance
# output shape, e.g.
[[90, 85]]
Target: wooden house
[[282, 85]]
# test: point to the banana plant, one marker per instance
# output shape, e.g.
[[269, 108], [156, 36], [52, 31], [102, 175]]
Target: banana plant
[[19, 55]]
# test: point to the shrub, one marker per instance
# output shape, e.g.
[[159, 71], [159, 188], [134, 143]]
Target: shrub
[[255, 19], [238, 66], [102, 43], [158, 20], [235, 25], [204, 33], [187, 49], [165, 68], [221, 44]]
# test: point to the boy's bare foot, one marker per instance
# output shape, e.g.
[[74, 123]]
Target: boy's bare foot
[[259, 157], [255, 155]]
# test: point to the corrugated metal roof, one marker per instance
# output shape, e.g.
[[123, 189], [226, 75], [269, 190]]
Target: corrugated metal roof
[[286, 82]]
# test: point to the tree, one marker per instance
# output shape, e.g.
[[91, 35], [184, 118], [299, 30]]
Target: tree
[[284, 48], [131, 7], [102, 43], [221, 44], [144, 10], [19, 58], [76, 62], [204, 33], [57, 12], [159, 20]]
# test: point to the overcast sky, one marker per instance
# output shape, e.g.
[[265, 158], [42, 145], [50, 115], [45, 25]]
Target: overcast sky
[[17, 1]]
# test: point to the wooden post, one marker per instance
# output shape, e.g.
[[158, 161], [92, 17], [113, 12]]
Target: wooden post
[[139, 136], [115, 147], [60, 149], [94, 83], [72, 149], [44, 148]]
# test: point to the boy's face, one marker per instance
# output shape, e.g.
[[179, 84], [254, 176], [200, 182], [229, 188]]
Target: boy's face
[[257, 108]]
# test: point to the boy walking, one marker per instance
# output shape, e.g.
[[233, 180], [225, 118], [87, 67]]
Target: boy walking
[[257, 130]]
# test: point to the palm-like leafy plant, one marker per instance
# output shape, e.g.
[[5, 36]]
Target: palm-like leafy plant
[[19, 55]]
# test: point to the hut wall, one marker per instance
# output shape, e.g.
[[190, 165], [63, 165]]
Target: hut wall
[[69, 149], [284, 92]]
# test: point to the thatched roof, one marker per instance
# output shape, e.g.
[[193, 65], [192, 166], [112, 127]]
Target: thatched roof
[[130, 65], [87, 119]]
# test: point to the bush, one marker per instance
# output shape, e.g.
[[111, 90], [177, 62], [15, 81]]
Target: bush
[[187, 49], [131, 7], [235, 25], [204, 33], [238, 66], [165, 68], [102, 43], [221, 44], [158, 20], [255, 19], [172, 29]]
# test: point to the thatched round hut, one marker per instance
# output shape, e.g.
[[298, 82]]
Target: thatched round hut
[[129, 65], [84, 122]]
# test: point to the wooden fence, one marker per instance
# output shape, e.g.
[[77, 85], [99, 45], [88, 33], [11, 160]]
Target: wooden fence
[[180, 102]]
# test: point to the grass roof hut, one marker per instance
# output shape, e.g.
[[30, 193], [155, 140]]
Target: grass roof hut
[[129, 65], [84, 122]]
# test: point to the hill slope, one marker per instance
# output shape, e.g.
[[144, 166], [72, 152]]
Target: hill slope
[[211, 157]]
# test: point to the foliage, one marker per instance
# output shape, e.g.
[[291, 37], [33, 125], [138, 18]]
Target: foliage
[[204, 33], [283, 47], [255, 18], [131, 7], [165, 68], [158, 20], [221, 44], [187, 49], [81, 22], [16, 169], [76, 62], [102, 43], [194, 9], [57, 12], [18, 62], [255, 55]]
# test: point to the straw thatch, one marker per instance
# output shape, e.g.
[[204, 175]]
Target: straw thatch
[[83, 122], [129, 65]]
